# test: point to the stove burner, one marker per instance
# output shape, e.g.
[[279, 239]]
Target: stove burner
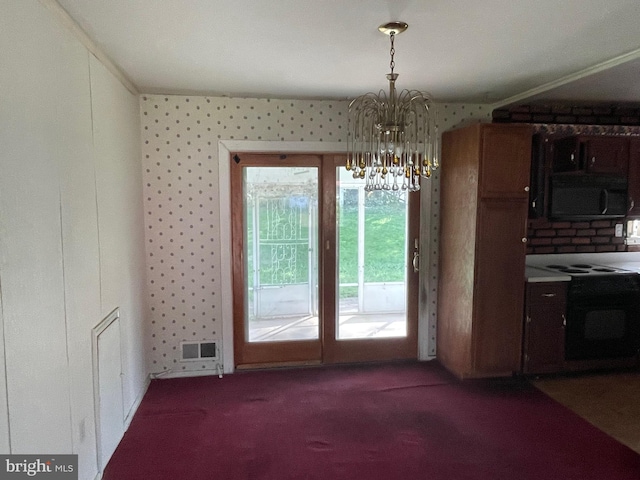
[[583, 269], [573, 270]]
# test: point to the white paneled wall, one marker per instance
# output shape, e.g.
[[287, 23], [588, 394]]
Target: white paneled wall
[[4, 407], [32, 274], [180, 136], [116, 127], [70, 152]]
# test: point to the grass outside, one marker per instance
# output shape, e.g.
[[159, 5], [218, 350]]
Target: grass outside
[[384, 253], [384, 261]]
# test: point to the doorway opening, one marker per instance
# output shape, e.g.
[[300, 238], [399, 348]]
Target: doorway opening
[[322, 269]]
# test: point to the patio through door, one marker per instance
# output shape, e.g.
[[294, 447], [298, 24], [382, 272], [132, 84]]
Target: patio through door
[[322, 269]]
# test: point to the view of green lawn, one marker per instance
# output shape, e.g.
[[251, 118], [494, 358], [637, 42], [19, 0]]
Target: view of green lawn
[[384, 235], [384, 258]]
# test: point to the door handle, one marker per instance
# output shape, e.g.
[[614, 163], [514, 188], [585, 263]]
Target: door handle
[[416, 256]]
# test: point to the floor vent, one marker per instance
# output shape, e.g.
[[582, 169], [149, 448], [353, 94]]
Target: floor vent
[[198, 351]]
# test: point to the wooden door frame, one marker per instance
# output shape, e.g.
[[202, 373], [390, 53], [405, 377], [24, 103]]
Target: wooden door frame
[[257, 354], [222, 158]]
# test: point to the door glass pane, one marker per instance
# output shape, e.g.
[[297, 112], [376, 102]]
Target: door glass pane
[[372, 253], [281, 253]]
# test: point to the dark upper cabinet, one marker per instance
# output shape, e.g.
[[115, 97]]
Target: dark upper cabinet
[[591, 154], [541, 152], [607, 155], [633, 188]]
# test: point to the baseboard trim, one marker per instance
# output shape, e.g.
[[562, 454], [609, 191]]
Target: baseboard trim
[[136, 403], [196, 373]]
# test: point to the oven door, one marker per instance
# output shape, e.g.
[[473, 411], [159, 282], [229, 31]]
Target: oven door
[[607, 328]]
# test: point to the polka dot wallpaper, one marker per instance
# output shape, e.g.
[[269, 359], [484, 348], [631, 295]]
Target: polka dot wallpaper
[[180, 171]]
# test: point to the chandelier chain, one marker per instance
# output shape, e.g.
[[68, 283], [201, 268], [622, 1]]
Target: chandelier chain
[[392, 52]]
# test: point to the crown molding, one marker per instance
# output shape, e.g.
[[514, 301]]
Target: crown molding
[[89, 44]]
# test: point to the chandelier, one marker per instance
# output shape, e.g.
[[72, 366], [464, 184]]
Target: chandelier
[[392, 140]]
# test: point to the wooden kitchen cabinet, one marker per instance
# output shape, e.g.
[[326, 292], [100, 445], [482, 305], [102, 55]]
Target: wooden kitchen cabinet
[[484, 202], [592, 154], [505, 166], [544, 326], [633, 188]]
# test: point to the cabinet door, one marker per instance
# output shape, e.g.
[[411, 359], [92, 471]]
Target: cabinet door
[[634, 178], [499, 286], [608, 155], [544, 328], [591, 154], [506, 160], [565, 155], [540, 155]]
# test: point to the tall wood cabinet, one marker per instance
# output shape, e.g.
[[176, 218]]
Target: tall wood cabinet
[[483, 209]]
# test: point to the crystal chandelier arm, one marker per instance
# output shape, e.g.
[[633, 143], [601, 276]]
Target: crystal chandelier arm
[[421, 109]]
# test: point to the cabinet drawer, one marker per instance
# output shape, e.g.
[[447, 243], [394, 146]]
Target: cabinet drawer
[[547, 292]]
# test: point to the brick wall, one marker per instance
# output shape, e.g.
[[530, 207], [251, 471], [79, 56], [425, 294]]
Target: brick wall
[[574, 237], [569, 114], [565, 119]]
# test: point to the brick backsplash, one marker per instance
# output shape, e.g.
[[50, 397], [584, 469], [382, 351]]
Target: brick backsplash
[[562, 119], [574, 237], [569, 114]]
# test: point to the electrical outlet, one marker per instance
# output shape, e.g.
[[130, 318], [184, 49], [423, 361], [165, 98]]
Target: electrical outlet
[[619, 229]]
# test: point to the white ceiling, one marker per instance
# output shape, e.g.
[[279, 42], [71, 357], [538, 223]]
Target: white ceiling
[[483, 51]]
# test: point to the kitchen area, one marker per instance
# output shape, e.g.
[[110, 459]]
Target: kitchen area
[[539, 267], [582, 312], [582, 297], [580, 336]]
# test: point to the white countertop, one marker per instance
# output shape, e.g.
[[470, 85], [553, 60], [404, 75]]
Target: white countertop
[[631, 266], [533, 274], [624, 260]]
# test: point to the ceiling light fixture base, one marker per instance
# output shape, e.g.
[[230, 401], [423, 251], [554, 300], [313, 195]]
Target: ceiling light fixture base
[[393, 28]]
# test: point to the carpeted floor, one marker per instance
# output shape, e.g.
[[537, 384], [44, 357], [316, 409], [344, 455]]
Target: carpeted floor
[[397, 421]]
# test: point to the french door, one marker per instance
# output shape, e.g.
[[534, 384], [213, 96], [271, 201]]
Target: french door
[[323, 271]]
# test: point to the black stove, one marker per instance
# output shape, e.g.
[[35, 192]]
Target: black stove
[[603, 311]]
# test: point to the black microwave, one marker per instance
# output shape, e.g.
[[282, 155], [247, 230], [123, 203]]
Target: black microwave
[[585, 197]]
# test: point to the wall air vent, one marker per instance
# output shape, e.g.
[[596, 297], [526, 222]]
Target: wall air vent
[[198, 351]]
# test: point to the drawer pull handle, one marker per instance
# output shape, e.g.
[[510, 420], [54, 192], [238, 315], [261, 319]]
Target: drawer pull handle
[[548, 295]]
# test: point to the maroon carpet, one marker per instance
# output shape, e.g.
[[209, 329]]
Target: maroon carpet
[[402, 421]]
